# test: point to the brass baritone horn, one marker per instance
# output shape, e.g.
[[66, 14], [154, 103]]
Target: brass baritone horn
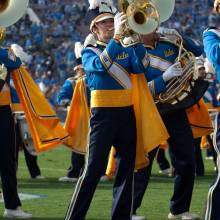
[[217, 6], [142, 18], [180, 87], [182, 91], [10, 12]]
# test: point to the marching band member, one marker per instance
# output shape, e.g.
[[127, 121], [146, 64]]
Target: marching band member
[[108, 66], [111, 109], [162, 68], [9, 62], [64, 99], [211, 40]]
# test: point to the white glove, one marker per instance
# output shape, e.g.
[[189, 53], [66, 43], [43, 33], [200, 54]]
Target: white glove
[[90, 40], [19, 52], [119, 23], [3, 72], [78, 49], [173, 71], [168, 31], [171, 34], [133, 38], [218, 97]]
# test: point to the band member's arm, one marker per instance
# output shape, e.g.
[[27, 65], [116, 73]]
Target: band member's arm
[[66, 93], [192, 46], [212, 47], [158, 84], [9, 59], [103, 61], [142, 54], [9, 62]]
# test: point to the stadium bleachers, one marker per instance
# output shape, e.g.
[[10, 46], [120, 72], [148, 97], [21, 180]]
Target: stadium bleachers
[[62, 22]]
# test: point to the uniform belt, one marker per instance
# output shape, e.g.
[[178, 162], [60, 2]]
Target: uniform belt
[[111, 98]]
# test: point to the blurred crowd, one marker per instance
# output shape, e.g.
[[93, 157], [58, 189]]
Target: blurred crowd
[[192, 17], [49, 35]]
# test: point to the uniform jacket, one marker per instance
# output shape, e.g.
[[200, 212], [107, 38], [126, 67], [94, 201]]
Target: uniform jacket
[[11, 62], [211, 41], [108, 68], [66, 91], [162, 56]]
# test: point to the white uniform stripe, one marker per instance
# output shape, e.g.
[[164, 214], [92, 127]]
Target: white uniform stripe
[[78, 185], [217, 32], [145, 60], [158, 63], [211, 190], [120, 75], [106, 59]]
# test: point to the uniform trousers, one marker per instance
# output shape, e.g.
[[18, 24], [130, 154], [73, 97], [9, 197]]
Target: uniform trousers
[[108, 126], [8, 158], [162, 160], [181, 149], [200, 169], [77, 164], [213, 200], [31, 160]]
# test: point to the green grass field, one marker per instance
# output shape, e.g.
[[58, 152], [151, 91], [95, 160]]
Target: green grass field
[[53, 165]]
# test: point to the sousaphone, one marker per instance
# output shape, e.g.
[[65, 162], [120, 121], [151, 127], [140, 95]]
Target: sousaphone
[[11, 11]]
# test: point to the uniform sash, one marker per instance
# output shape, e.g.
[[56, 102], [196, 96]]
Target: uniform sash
[[199, 119], [150, 128], [44, 125], [77, 120]]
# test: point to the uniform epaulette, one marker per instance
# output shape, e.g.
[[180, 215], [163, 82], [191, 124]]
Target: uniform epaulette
[[165, 39], [210, 28], [90, 45]]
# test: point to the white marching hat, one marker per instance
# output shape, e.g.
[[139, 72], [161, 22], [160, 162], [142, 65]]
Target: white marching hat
[[100, 10]]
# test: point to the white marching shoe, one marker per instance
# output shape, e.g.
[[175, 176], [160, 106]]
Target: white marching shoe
[[138, 217], [68, 179], [184, 216], [16, 213]]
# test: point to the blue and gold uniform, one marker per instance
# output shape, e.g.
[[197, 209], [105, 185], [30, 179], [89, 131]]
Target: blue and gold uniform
[[107, 68], [7, 146], [66, 92], [77, 160], [108, 72], [211, 40], [161, 56]]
